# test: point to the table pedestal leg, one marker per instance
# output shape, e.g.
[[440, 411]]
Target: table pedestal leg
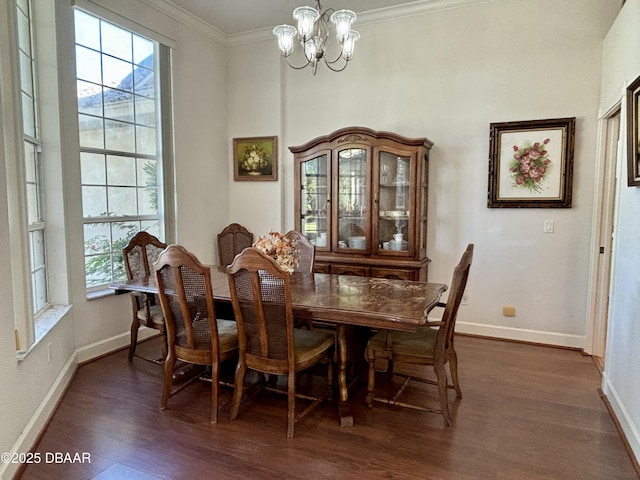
[[344, 407]]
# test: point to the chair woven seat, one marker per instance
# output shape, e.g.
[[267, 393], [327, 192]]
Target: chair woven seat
[[422, 342], [154, 313], [309, 344], [227, 335]]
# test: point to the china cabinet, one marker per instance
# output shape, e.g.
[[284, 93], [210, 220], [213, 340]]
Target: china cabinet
[[361, 198]]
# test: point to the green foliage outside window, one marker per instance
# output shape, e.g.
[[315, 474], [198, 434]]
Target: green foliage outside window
[[108, 265]]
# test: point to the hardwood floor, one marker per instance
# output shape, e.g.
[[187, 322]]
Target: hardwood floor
[[527, 412]]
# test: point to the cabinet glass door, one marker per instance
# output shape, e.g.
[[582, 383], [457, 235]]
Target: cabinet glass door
[[314, 200], [353, 199], [394, 203]]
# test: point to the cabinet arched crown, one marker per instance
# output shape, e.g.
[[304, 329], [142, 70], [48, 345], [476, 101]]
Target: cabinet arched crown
[[361, 198]]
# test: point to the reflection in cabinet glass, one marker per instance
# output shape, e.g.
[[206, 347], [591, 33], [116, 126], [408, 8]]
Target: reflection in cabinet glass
[[352, 198], [363, 202], [395, 189], [315, 201]]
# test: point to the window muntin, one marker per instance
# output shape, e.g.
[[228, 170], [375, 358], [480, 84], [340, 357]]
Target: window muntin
[[120, 138]]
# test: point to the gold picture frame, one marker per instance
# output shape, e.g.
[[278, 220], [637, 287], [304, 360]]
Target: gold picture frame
[[531, 163], [255, 159]]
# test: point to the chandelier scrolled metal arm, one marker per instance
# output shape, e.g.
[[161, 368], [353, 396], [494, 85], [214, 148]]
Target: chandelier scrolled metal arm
[[312, 34]]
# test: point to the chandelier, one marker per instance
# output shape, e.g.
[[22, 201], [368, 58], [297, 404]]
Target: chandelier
[[313, 35]]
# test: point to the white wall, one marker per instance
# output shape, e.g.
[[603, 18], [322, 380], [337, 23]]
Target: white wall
[[255, 111], [621, 380], [447, 75]]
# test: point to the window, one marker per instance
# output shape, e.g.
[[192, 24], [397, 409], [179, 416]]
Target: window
[[32, 158], [121, 141]]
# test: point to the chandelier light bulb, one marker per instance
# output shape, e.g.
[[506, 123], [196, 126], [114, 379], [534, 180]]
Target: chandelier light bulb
[[285, 34], [343, 19], [349, 45], [306, 17], [310, 51]]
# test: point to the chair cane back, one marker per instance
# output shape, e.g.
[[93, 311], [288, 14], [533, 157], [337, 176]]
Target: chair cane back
[[305, 251], [139, 255], [194, 334], [268, 341], [231, 241]]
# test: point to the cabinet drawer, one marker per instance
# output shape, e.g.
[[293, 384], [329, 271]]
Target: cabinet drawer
[[358, 270], [321, 267], [396, 273]]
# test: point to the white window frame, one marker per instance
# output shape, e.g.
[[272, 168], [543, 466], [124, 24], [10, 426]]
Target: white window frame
[[36, 220], [164, 156], [32, 326]]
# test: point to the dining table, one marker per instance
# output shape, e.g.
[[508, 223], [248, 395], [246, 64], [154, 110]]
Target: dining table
[[340, 300]]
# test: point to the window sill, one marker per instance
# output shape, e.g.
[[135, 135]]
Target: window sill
[[105, 292], [43, 323]]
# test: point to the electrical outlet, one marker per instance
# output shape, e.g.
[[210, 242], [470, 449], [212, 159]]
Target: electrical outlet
[[465, 299], [49, 352], [509, 311]]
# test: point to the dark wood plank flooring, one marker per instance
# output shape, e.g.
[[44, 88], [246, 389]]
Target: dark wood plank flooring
[[528, 412]]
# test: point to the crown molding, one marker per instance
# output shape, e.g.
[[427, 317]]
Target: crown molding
[[413, 9], [186, 18], [387, 14]]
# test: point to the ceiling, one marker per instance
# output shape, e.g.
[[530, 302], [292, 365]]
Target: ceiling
[[239, 16]]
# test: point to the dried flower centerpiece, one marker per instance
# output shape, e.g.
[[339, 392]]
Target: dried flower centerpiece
[[280, 248]]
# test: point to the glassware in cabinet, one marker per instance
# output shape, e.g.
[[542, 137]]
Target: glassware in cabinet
[[314, 200], [374, 187], [353, 198], [394, 202]]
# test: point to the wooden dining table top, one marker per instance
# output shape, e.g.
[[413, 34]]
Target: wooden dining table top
[[355, 300]]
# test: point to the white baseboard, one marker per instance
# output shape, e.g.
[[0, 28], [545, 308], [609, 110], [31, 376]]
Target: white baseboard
[[104, 347], [47, 408], [622, 415], [522, 334], [41, 417]]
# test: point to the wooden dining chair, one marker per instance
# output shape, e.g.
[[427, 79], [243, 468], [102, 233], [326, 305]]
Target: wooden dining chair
[[139, 255], [231, 241], [268, 341], [194, 334], [432, 345], [305, 251]]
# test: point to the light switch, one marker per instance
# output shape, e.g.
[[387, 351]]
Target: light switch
[[548, 226]]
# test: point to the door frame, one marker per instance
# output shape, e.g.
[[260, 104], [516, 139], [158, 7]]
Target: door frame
[[603, 231]]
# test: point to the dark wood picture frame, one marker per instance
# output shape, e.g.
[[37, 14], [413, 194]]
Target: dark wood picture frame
[[531, 163], [633, 134], [255, 159]]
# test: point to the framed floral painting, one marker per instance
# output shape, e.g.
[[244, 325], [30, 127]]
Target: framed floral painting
[[531, 163], [633, 134], [255, 159]]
